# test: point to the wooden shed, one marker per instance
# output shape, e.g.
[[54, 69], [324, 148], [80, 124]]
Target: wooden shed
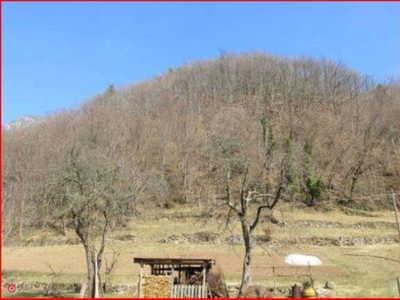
[[177, 277]]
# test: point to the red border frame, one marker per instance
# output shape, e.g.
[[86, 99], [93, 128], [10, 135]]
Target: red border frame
[[1, 56]]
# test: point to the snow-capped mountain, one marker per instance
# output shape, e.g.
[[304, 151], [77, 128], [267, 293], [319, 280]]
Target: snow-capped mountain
[[22, 122]]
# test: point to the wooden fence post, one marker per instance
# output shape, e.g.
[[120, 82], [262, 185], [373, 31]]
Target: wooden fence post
[[140, 280], [204, 282], [274, 278]]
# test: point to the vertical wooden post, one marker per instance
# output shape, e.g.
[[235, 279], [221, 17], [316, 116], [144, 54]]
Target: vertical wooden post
[[172, 280], [395, 211], [204, 282], [274, 278], [96, 279], [140, 280], [398, 285]]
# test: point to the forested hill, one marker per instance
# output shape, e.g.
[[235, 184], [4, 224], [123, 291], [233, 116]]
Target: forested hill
[[315, 127]]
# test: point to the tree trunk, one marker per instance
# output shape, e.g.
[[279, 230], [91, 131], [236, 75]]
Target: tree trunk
[[93, 279], [90, 270], [246, 274], [93, 258], [63, 226], [185, 179], [21, 220]]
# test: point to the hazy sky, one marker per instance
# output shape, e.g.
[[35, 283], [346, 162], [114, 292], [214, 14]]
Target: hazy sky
[[57, 55]]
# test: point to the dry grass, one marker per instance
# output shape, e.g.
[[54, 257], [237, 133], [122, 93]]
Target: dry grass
[[357, 271]]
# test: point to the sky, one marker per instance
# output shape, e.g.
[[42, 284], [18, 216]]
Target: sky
[[57, 55]]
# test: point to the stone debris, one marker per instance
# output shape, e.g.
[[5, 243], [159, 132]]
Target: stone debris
[[325, 293], [330, 285]]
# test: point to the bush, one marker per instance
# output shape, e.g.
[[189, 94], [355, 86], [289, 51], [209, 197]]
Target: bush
[[315, 187], [216, 283], [126, 237], [268, 231], [257, 291]]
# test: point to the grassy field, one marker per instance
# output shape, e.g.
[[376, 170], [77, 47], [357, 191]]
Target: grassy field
[[357, 271]]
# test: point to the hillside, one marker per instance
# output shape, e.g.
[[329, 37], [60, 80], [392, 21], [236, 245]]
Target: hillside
[[332, 132]]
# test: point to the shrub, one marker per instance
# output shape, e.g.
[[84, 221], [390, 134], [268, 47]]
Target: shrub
[[216, 283]]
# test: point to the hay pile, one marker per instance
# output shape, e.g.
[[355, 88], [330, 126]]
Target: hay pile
[[156, 286]]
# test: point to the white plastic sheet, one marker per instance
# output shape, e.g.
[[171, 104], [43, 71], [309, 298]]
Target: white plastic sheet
[[302, 260]]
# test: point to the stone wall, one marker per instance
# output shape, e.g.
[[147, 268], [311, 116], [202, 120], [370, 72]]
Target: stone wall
[[68, 287]]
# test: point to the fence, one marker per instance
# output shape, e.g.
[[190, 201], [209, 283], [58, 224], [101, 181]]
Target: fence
[[188, 291]]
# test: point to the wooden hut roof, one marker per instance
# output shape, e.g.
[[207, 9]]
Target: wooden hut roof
[[174, 261]]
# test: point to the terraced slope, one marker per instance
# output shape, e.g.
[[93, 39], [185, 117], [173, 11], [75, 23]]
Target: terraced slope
[[359, 254]]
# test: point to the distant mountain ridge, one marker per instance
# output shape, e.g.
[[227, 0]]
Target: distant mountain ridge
[[23, 122]]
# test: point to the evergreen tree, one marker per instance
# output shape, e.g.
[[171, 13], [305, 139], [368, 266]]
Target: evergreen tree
[[111, 89], [292, 172], [314, 183]]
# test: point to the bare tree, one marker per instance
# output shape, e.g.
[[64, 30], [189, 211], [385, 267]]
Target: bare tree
[[242, 196], [111, 266], [94, 193], [241, 206]]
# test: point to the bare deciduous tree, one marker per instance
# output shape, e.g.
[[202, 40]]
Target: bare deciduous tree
[[94, 193], [241, 197]]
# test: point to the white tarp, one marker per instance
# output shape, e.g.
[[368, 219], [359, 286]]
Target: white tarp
[[302, 260]]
